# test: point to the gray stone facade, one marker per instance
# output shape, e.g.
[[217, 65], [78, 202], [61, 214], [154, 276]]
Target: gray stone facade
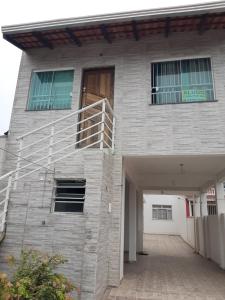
[[91, 241], [2, 153]]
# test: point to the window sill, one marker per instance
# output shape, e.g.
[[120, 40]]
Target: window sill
[[156, 104], [162, 220], [60, 213], [55, 109]]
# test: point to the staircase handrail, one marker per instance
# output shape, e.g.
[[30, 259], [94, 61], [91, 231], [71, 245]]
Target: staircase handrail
[[68, 116], [105, 138]]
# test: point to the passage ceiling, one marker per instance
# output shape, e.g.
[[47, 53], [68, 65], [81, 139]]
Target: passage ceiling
[[175, 172]]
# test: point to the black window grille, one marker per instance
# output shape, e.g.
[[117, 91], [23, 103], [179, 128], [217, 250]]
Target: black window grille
[[69, 195]]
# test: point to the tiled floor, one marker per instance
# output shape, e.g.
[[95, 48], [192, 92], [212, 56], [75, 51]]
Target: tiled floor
[[171, 271]]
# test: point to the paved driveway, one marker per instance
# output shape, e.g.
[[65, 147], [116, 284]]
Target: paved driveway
[[171, 271]]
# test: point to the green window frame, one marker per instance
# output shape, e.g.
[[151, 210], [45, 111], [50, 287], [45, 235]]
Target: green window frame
[[51, 90], [182, 81]]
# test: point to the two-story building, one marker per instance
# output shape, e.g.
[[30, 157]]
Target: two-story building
[[107, 107]]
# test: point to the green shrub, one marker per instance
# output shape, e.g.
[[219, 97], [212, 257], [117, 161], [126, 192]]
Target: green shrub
[[35, 278], [5, 286]]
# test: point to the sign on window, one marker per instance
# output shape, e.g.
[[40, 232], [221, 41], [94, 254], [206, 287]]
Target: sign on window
[[193, 95]]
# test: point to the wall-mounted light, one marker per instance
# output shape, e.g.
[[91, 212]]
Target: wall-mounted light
[[181, 168], [41, 178]]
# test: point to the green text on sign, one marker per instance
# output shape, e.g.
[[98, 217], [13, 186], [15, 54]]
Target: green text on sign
[[193, 95]]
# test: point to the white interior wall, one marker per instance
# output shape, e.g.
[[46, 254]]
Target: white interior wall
[[126, 217], [190, 232], [213, 233], [211, 238], [201, 240], [175, 226]]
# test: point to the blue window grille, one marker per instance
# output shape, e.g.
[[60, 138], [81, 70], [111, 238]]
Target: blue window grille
[[51, 90], [188, 80]]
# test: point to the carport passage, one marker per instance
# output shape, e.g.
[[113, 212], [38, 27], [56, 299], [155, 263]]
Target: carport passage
[[171, 271]]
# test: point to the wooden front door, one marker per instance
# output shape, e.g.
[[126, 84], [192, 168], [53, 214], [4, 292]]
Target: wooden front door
[[97, 84]]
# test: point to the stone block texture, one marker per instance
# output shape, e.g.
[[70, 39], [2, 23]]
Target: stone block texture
[[91, 241], [2, 153]]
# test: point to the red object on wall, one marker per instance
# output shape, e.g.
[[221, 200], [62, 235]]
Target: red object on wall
[[187, 208]]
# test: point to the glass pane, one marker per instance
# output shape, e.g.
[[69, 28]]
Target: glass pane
[[51, 90], [196, 79], [74, 183], [61, 90], [39, 97], [154, 214], [169, 214], [166, 82], [188, 80], [68, 207]]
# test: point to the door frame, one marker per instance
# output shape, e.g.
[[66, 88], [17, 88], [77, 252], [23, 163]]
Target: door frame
[[81, 89], [93, 69]]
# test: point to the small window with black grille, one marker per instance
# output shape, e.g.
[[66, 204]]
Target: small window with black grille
[[69, 195]]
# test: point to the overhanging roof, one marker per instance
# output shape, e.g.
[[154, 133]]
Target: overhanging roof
[[133, 25]]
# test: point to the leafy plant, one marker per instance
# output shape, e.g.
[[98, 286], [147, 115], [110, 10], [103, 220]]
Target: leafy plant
[[35, 279], [5, 286]]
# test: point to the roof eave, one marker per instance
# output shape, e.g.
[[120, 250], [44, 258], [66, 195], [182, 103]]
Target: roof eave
[[212, 7]]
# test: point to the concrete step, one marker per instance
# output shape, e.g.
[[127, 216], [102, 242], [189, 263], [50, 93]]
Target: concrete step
[[106, 294], [116, 294]]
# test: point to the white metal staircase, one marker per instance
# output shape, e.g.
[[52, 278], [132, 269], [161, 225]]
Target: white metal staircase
[[91, 126]]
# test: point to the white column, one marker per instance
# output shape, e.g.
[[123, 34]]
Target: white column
[[122, 231], [220, 202], [140, 222], [204, 209], [132, 223], [197, 211], [222, 240], [202, 243]]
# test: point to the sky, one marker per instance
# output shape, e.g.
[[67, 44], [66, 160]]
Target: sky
[[25, 11]]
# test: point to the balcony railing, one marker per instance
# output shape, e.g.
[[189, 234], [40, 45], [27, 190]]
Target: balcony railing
[[91, 126]]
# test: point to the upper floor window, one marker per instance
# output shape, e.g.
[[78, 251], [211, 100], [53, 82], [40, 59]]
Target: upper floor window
[[51, 90], [188, 80]]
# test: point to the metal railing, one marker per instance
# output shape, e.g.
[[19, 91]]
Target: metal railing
[[6, 181], [92, 127]]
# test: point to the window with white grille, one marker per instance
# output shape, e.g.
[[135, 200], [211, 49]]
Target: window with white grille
[[161, 212], [179, 81], [69, 195], [51, 90]]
